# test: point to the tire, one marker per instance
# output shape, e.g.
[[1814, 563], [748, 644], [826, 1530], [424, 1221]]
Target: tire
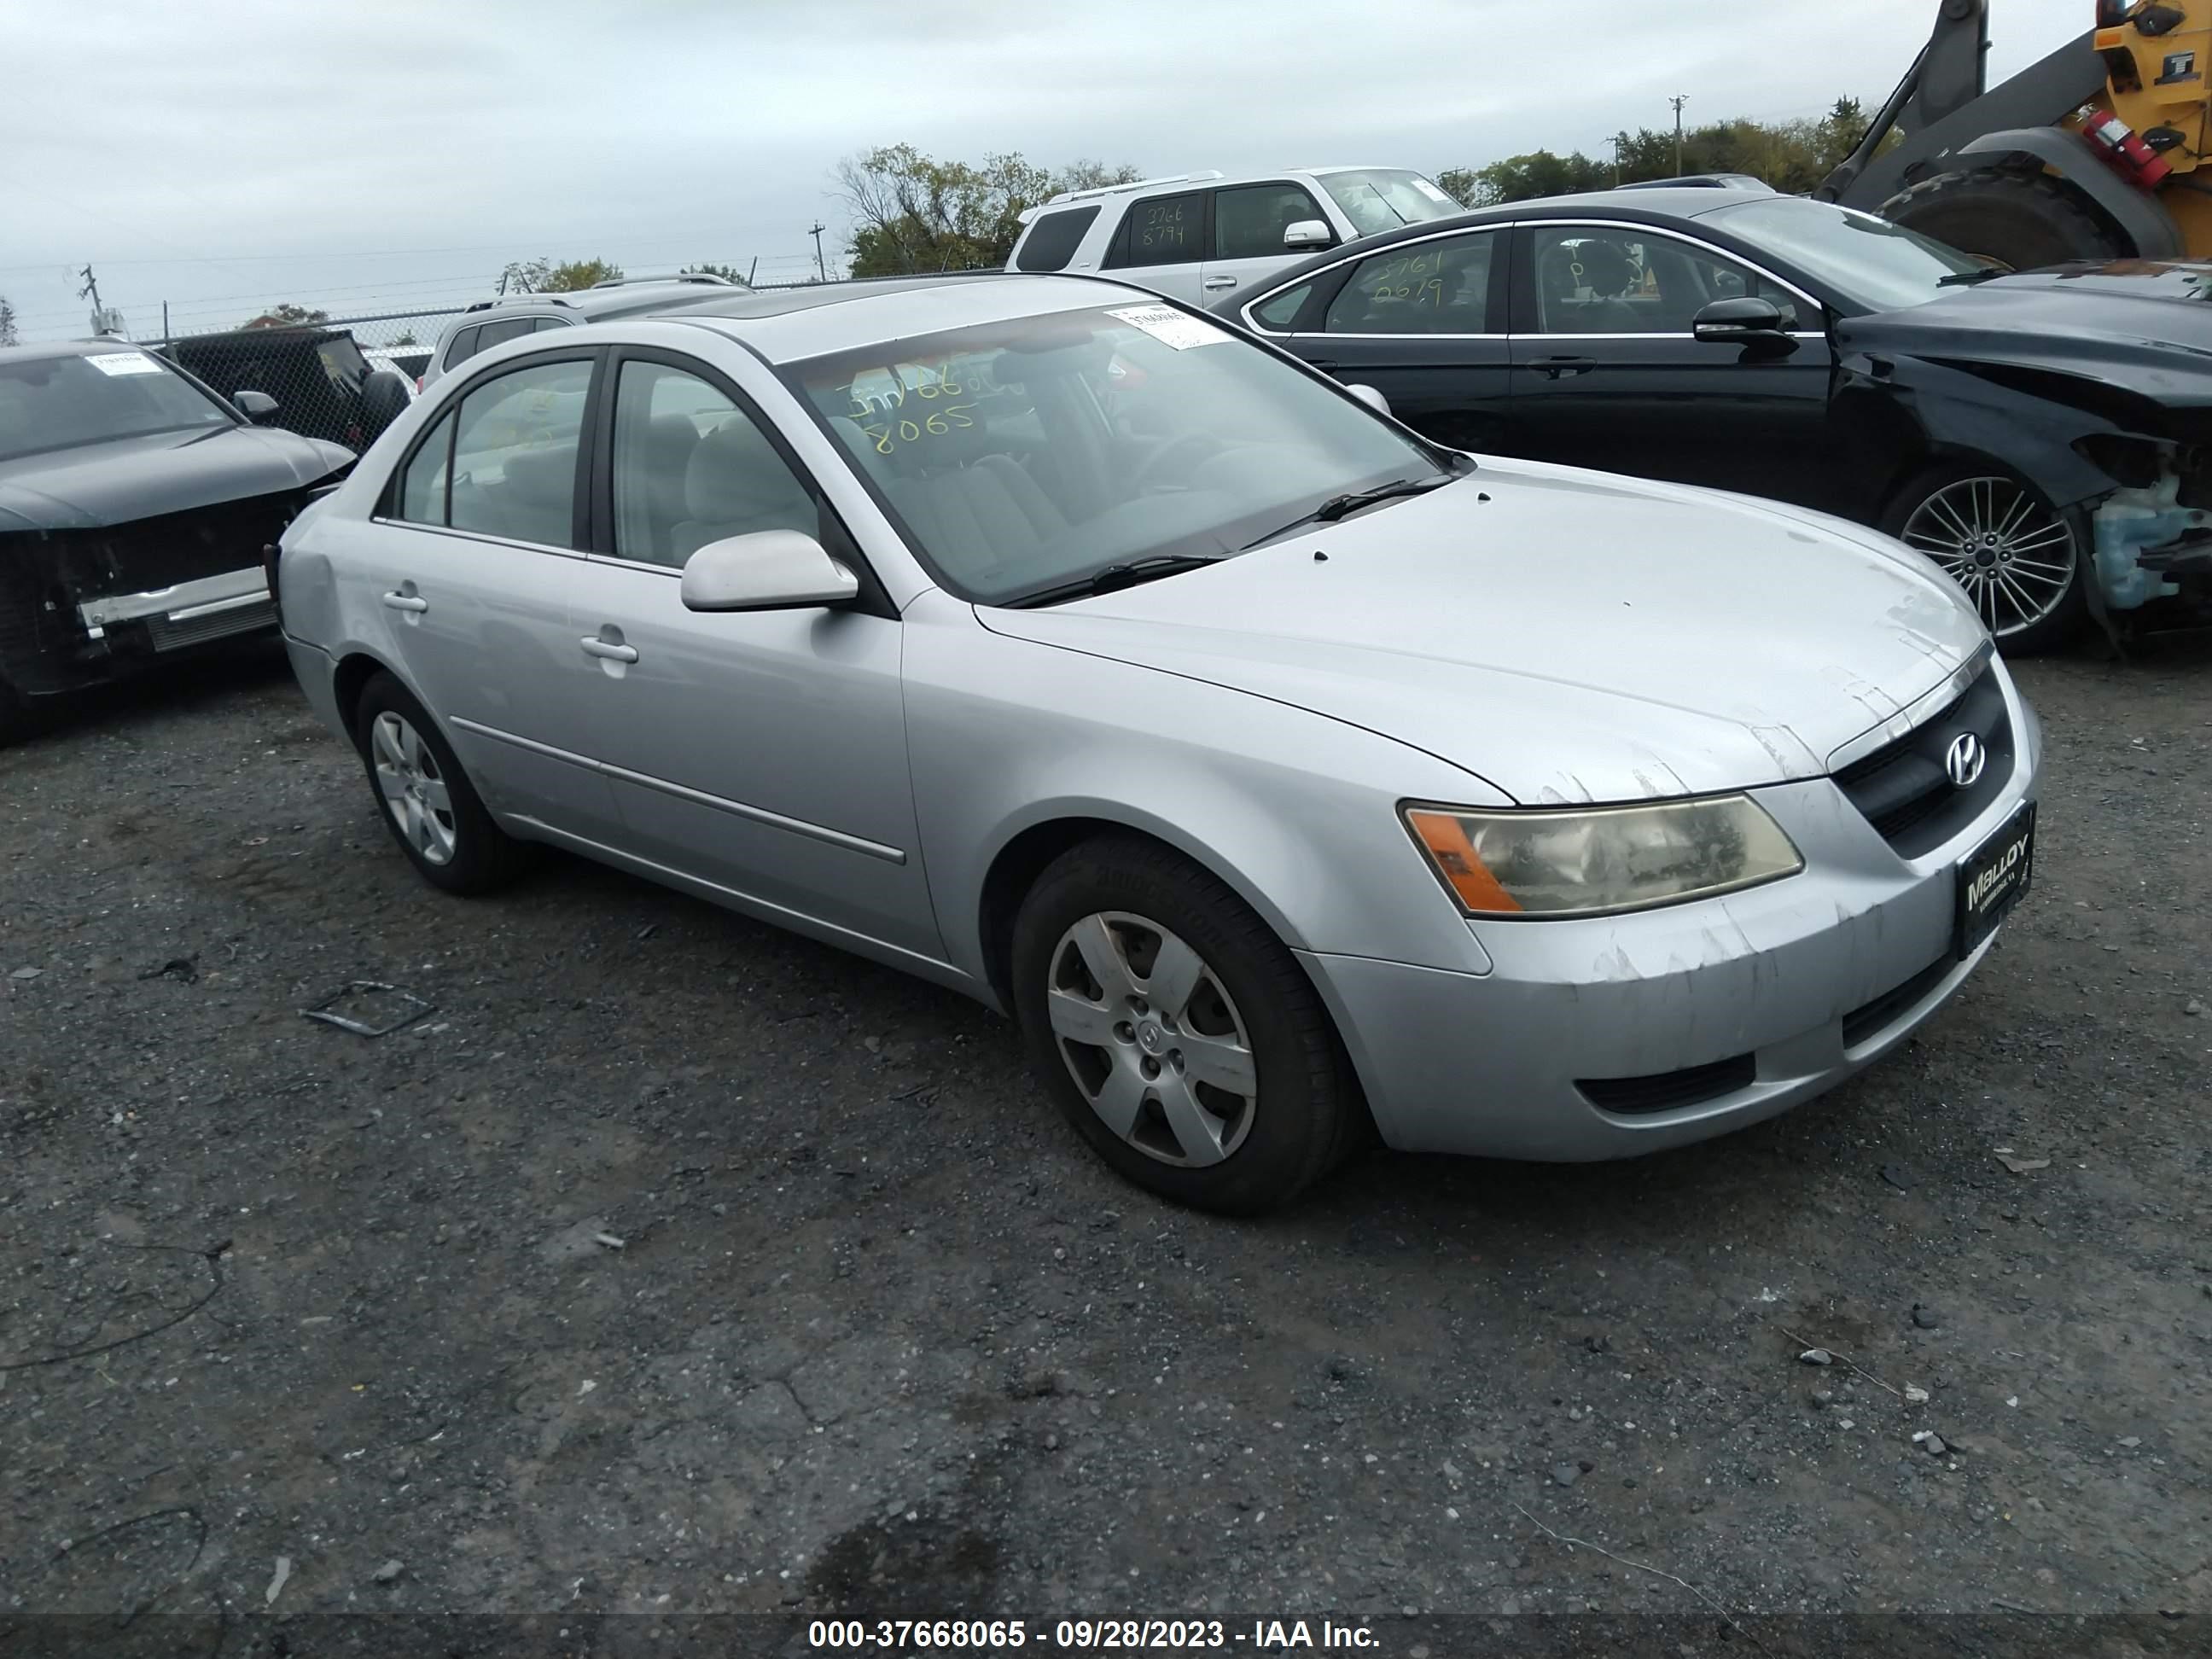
[[425, 799], [2022, 220], [1997, 535], [384, 399], [1265, 1126]]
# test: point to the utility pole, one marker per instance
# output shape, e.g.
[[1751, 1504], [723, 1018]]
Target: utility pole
[[815, 230], [1617, 137], [104, 321], [1678, 101]]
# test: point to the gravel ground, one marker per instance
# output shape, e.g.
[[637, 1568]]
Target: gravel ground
[[674, 1263]]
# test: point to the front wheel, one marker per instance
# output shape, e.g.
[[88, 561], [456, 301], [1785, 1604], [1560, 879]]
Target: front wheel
[[1175, 1032], [2020, 561]]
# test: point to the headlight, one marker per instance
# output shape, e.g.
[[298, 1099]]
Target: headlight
[[1600, 860]]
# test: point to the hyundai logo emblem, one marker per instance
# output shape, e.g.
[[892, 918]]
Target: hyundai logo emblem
[[1964, 759]]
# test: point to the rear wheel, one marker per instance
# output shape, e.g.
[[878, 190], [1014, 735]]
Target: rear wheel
[[2021, 220], [2020, 560], [424, 796], [1175, 1032]]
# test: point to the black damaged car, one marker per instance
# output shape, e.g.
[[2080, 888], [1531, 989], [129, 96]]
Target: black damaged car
[[134, 505], [2045, 437]]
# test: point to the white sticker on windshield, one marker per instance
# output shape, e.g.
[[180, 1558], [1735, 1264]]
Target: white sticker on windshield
[[124, 362], [1171, 327], [1429, 191]]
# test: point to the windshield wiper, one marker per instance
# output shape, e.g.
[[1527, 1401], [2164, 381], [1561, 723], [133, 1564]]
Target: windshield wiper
[[1113, 578], [1968, 278], [1338, 506]]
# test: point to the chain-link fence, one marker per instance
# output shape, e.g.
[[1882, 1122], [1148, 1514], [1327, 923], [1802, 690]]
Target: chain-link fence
[[344, 379]]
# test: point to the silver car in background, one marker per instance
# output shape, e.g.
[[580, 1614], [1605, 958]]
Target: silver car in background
[[1290, 780]]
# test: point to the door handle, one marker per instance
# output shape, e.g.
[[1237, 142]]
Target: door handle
[[411, 602], [595, 647], [1221, 282], [1559, 368]]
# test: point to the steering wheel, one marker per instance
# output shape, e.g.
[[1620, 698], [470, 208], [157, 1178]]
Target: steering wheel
[[1199, 446]]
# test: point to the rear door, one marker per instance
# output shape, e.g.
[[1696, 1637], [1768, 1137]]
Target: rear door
[[1161, 243], [472, 561], [1421, 322], [1608, 373], [1245, 243]]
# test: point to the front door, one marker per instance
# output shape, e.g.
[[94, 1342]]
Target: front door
[[1607, 372], [1247, 239], [765, 751]]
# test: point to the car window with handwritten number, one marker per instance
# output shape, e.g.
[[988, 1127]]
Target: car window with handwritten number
[[1429, 287], [1018, 454]]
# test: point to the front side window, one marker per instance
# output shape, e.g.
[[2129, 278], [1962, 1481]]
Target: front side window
[[1054, 238], [61, 402], [1024, 454], [1163, 230], [514, 448], [1431, 287], [1604, 281], [691, 467], [1376, 199], [1248, 221]]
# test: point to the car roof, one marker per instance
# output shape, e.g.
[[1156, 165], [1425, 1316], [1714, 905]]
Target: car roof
[[790, 325]]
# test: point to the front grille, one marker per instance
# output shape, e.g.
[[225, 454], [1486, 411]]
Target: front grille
[[1864, 1023], [1663, 1092], [1903, 789]]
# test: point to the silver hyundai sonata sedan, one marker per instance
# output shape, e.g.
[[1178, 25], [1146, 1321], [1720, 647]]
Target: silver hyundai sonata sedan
[[1290, 780]]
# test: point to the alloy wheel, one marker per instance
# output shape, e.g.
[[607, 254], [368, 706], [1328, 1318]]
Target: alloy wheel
[[414, 791], [1152, 1039], [2015, 557]]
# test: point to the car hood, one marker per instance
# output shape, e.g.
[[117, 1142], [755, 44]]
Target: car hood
[[1564, 635], [121, 479], [2144, 323]]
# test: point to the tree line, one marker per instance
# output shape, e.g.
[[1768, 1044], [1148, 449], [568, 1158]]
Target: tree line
[[911, 212]]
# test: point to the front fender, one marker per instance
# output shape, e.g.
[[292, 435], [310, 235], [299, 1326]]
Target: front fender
[[1297, 812]]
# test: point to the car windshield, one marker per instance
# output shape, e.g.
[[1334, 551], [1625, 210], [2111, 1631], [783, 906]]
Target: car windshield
[[59, 403], [1028, 454], [1867, 261], [1376, 199]]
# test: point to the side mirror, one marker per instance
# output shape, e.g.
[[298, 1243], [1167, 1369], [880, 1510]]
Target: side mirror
[[1308, 232], [1737, 322], [254, 404], [767, 570], [1374, 399]]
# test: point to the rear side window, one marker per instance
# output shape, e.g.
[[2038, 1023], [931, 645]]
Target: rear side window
[[1054, 238], [1163, 230], [484, 336], [463, 344], [1431, 287], [1248, 222], [1279, 312], [515, 440], [423, 485]]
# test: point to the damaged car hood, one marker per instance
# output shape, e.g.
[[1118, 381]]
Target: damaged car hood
[[2145, 325], [1680, 641], [121, 479]]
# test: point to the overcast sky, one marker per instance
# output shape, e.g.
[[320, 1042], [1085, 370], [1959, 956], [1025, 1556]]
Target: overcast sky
[[392, 153]]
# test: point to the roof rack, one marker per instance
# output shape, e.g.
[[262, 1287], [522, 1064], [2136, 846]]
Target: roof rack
[[1134, 183], [1742, 181], [706, 277]]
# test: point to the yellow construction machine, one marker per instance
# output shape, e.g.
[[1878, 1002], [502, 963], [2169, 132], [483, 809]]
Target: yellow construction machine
[[2099, 151]]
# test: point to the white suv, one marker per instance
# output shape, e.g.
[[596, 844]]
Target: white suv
[[1201, 236]]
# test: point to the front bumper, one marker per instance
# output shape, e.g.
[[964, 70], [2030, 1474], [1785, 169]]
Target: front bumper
[[1723, 1012], [186, 613]]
